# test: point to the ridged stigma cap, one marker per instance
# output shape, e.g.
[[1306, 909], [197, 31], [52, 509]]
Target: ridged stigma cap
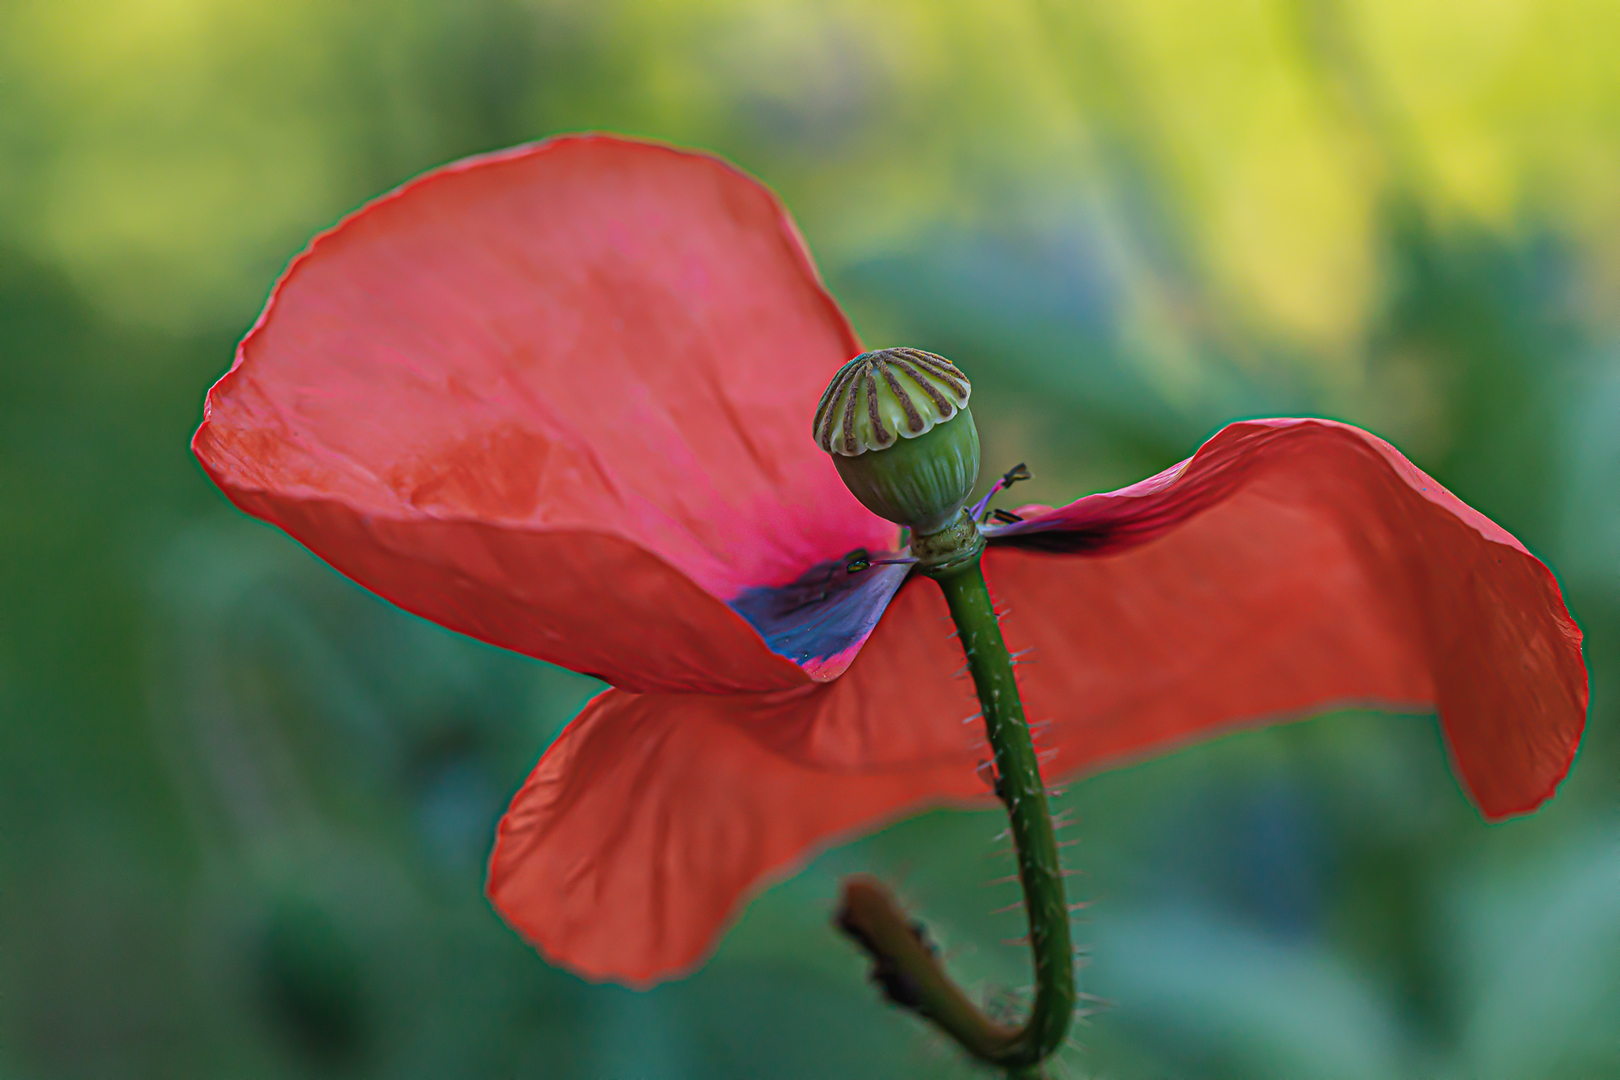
[[885, 395], [897, 425]]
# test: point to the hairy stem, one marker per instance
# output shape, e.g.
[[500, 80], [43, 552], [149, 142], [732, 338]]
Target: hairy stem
[[1024, 794], [905, 963]]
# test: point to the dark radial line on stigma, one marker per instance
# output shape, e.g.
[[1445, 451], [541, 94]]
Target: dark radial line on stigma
[[943, 370], [880, 434], [823, 422], [943, 405], [935, 362], [840, 383], [852, 394], [914, 420]]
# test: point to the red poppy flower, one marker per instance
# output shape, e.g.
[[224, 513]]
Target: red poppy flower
[[559, 399]]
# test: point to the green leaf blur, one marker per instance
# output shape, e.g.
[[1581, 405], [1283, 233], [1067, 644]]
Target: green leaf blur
[[244, 806]]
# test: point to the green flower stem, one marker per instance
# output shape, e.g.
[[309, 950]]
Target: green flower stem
[[1024, 794], [905, 963]]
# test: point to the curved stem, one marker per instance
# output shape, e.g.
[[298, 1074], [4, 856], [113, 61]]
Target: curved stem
[[1024, 794], [905, 963]]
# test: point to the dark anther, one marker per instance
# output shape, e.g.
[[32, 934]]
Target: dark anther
[[1006, 517], [856, 561], [980, 510]]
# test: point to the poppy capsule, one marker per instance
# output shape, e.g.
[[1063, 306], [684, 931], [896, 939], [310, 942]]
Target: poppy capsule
[[897, 425]]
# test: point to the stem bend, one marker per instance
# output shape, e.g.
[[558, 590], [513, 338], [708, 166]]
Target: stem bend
[[904, 962]]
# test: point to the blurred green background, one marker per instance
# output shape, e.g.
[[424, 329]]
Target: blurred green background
[[244, 806]]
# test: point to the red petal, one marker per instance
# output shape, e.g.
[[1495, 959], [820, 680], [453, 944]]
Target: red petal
[[492, 392], [1295, 565], [653, 817]]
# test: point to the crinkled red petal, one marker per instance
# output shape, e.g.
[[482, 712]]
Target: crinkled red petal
[[1289, 567], [458, 387], [652, 818]]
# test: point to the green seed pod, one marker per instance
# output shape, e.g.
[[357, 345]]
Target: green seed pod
[[897, 425]]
